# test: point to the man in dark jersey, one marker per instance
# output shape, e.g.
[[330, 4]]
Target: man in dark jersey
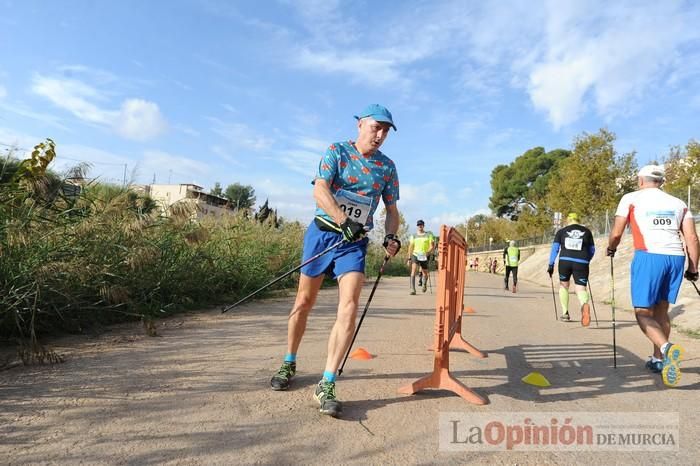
[[574, 244]]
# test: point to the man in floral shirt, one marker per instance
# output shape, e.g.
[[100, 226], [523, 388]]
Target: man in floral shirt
[[352, 178]]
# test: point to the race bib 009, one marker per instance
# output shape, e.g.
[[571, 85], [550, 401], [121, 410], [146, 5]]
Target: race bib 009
[[662, 220], [355, 206]]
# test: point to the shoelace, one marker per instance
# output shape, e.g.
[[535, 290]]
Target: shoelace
[[285, 371], [329, 390]]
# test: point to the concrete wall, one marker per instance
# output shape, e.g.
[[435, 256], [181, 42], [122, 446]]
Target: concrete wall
[[484, 256]]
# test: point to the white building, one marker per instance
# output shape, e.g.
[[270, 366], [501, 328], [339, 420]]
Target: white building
[[204, 203]]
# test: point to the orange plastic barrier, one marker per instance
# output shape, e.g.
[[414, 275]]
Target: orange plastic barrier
[[448, 319]]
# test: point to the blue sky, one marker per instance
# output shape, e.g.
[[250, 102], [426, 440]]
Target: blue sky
[[254, 91]]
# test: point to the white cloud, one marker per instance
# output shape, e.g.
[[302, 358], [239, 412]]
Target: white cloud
[[606, 57], [140, 120], [695, 101], [240, 136], [292, 201], [452, 218], [137, 119], [74, 96], [172, 168], [570, 58], [300, 161], [370, 69], [432, 193]]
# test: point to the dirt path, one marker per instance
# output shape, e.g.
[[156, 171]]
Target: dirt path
[[199, 393]]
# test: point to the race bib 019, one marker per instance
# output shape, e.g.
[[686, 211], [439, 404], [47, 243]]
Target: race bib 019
[[355, 206]]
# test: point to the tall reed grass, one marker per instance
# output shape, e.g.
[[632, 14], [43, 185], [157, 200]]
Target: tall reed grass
[[73, 263]]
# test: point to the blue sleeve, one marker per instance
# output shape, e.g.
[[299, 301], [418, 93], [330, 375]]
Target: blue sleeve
[[591, 251], [554, 252]]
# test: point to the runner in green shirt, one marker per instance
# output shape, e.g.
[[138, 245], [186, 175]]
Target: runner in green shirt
[[511, 259], [420, 246]]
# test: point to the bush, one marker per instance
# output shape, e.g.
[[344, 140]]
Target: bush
[[108, 255]]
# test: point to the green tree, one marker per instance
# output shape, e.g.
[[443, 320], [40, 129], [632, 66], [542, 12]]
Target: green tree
[[378, 231], [683, 171], [488, 230], [217, 190], [593, 178], [524, 182], [240, 196]]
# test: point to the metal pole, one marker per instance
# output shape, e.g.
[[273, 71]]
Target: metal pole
[[612, 304], [325, 251], [695, 286], [362, 317], [556, 314], [590, 291]]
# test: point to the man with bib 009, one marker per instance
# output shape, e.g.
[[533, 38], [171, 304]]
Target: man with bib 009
[[659, 224]]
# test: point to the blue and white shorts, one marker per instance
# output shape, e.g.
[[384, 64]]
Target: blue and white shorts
[[348, 257], [655, 278]]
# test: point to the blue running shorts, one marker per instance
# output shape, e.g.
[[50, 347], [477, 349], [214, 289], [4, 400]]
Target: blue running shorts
[[655, 278], [348, 257]]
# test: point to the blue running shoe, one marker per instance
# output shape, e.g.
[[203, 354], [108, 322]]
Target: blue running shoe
[[655, 366], [671, 372]]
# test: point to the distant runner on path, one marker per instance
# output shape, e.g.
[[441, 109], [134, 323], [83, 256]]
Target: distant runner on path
[[352, 177], [657, 221], [511, 259], [574, 245], [420, 248]]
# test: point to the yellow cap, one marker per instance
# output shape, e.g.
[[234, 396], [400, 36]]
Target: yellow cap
[[573, 216]]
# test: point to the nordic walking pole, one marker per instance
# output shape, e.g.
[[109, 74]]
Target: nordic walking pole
[[306, 262], [695, 286], [595, 314], [430, 283], [556, 314], [612, 304], [362, 317]]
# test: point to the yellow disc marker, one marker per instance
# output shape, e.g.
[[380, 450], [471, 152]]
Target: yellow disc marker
[[536, 379]]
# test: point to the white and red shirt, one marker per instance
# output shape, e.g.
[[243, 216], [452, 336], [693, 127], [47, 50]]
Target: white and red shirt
[[655, 219]]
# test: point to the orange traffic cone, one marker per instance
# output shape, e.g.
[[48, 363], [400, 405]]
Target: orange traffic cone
[[361, 353]]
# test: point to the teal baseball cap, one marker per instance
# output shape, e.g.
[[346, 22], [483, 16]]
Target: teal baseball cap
[[377, 113]]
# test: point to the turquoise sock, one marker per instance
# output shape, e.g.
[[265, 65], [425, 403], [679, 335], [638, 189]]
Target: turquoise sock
[[290, 357], [329, 376]]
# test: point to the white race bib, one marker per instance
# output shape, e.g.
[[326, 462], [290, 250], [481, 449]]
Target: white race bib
[[662, 220], [355, 206], [421, 257], [573, 244]]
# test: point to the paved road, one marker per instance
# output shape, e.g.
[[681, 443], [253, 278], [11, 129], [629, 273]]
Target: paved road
[[198, 394]]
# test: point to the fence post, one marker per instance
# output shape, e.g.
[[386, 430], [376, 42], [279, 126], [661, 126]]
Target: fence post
[[449, 307]]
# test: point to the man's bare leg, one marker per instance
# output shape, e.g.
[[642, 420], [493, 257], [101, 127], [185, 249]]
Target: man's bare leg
[[349, 288], [651, 328], [305, 300], [414, 266], [564, 299], [660, 311]]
